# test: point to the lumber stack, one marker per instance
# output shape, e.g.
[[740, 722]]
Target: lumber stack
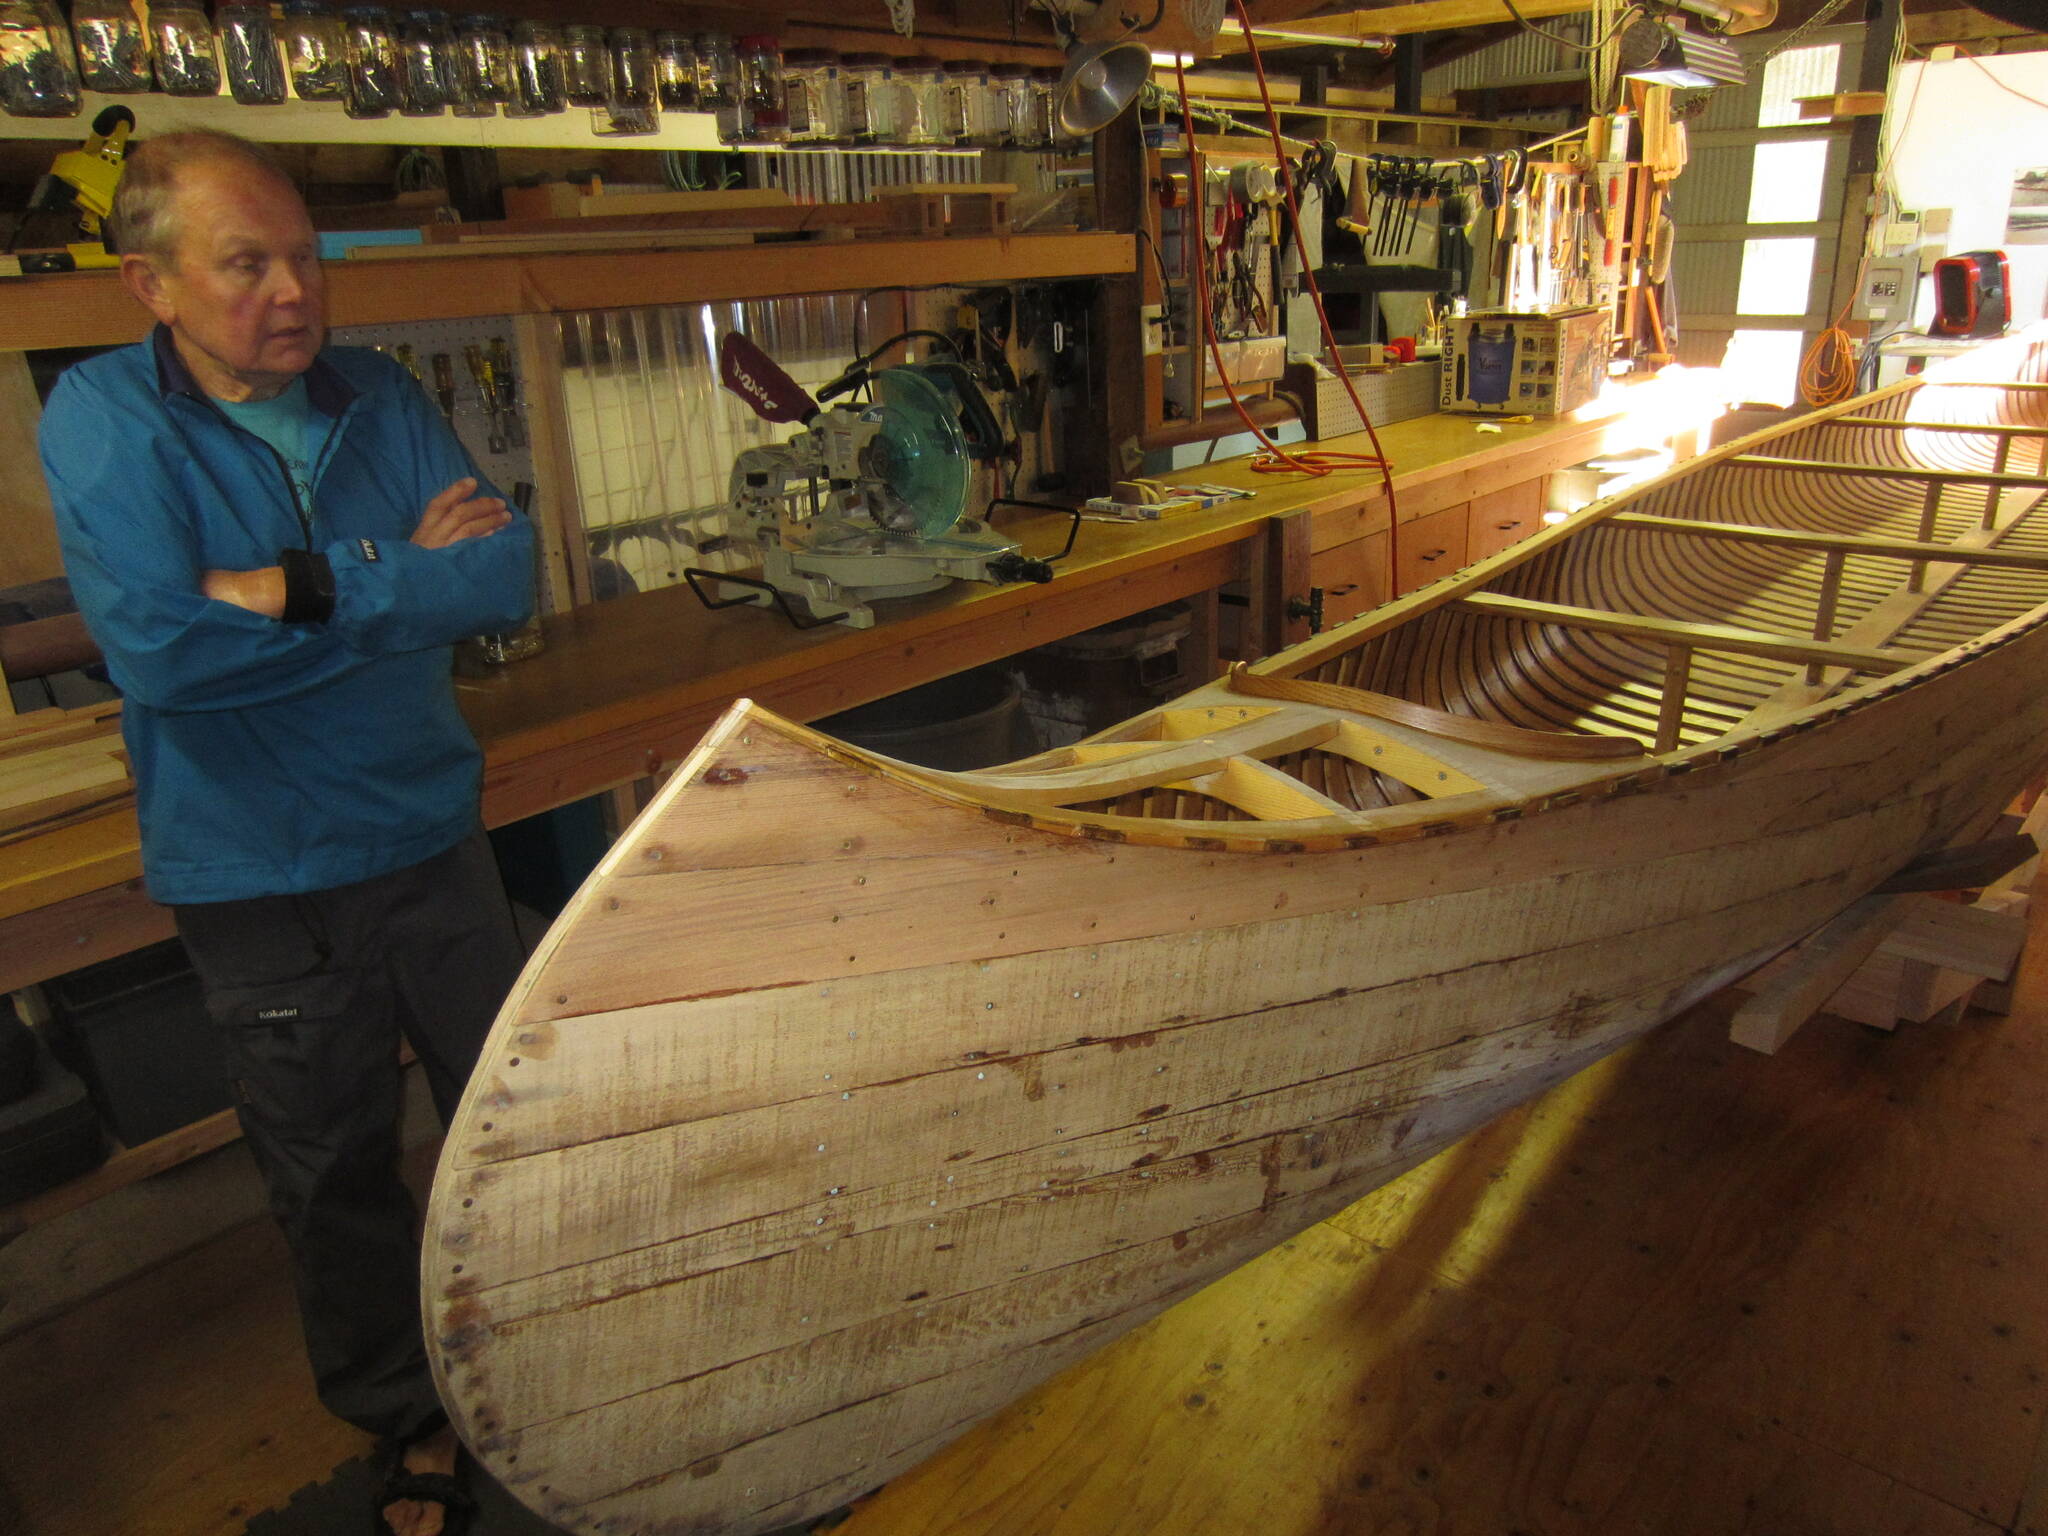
[[60, 765]]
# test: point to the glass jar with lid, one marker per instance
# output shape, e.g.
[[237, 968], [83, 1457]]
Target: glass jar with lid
[[632, 70], [675, 71], [249, 49], [868, 102], [38, 66], [113, 51], [426, 64], [486, 51], [970, 107], [1010, 96], [315, 51], [1045, 110], [586, 65], [764, 104], [718, 84], [181, 49], [372, 55], [810, 87], [921, 100], [537, 68]]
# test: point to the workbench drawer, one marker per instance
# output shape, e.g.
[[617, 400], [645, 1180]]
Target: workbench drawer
[[1353, 577], [1503, 517], [1430, 547]]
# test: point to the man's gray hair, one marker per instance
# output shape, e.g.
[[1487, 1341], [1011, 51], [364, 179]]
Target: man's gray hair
[[142, 220]]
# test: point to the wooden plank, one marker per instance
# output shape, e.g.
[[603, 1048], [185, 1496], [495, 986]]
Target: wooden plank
[[1845, 543], [91, 309], [1700, 636], [28, 529], [1818, 969]]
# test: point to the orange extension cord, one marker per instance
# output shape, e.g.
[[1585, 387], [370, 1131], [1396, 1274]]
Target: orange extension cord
[[1273, 458]]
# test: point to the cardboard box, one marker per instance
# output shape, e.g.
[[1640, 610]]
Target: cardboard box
[[1530, 363]]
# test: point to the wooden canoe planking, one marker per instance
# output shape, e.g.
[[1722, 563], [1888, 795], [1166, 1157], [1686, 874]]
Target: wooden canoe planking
[[1071, 1089]]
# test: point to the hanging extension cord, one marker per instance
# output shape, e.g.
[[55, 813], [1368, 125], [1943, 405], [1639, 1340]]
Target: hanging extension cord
[[1272, 459]]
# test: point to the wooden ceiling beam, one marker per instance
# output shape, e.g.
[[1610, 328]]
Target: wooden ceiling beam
[[1399, 20]]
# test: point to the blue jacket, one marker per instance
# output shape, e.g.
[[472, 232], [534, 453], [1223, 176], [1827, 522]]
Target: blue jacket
[[273, 758]]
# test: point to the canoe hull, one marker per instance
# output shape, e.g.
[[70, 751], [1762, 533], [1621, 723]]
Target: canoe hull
[[833, 1115]]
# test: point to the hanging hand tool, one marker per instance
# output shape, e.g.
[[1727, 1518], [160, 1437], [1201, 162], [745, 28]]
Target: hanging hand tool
[[408, 361], [444, 385], [508, 390], [487, 392]]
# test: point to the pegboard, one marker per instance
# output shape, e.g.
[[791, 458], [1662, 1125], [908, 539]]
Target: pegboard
[[505, 468]]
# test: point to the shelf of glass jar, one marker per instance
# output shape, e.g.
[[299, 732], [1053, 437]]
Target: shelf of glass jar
[[478, 78]]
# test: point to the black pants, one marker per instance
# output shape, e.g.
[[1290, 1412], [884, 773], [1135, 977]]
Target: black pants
[[313, 993]]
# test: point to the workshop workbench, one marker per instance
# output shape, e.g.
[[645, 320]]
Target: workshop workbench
[[625, 687]]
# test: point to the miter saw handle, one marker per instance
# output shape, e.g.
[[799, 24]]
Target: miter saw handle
[[759, 380], [977, 422]]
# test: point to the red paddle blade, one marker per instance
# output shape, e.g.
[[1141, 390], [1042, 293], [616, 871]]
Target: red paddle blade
[[755, 377]]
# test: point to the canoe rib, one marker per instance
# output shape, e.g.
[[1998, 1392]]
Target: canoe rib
[[849, 1099]]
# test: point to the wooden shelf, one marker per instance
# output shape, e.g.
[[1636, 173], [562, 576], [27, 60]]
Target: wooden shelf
[[81, 309]]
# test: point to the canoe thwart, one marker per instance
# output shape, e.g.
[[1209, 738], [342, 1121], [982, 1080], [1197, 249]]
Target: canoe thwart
[[1560, 746], [1886, 471], [1700, 636], [1845, 543]]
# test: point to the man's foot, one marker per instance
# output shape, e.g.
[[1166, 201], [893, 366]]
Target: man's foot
[[424, 1514]]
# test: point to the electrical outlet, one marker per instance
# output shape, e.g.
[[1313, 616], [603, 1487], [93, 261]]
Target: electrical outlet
[[1153, 318], [1888, 291]]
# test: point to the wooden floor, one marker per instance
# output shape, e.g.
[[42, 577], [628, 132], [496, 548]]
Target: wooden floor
[[1692, 1291]]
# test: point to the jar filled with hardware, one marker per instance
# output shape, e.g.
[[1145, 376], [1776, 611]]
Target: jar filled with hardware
[[426, 64], [633, 100], [1010, 97], [718, 83], [250, 53], [764, 104], [810, 86], [867, 99], [537, 69], [1045, 88], [486, 57], [181, 49], [113, 50], [372, 56], [675, 71], [315, 51], [921, 100], [38, 67], [586, 65], [972, 114]]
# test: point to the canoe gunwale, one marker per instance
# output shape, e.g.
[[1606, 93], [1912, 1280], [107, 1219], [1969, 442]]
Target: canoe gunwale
[[1432, 818]]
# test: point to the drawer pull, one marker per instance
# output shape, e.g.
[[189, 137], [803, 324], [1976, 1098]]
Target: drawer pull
[[1504, 527], [1435, 554]]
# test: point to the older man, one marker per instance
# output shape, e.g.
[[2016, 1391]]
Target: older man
[[275, 543]]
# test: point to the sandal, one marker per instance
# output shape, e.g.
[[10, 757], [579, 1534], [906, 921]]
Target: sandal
[[458, 1505]]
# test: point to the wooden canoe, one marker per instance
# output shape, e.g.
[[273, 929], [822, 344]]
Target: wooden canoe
[[849, 1100]]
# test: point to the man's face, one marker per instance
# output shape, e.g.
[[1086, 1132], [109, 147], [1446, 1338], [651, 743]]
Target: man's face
[[244, 297]]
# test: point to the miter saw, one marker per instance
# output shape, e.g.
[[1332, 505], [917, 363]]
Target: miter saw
[[869, 502]]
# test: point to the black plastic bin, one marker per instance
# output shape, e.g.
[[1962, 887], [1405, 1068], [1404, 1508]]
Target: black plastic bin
[[48, 1132], [136, 1030]]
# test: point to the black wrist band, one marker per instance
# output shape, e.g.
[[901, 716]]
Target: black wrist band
[[308, 587]]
